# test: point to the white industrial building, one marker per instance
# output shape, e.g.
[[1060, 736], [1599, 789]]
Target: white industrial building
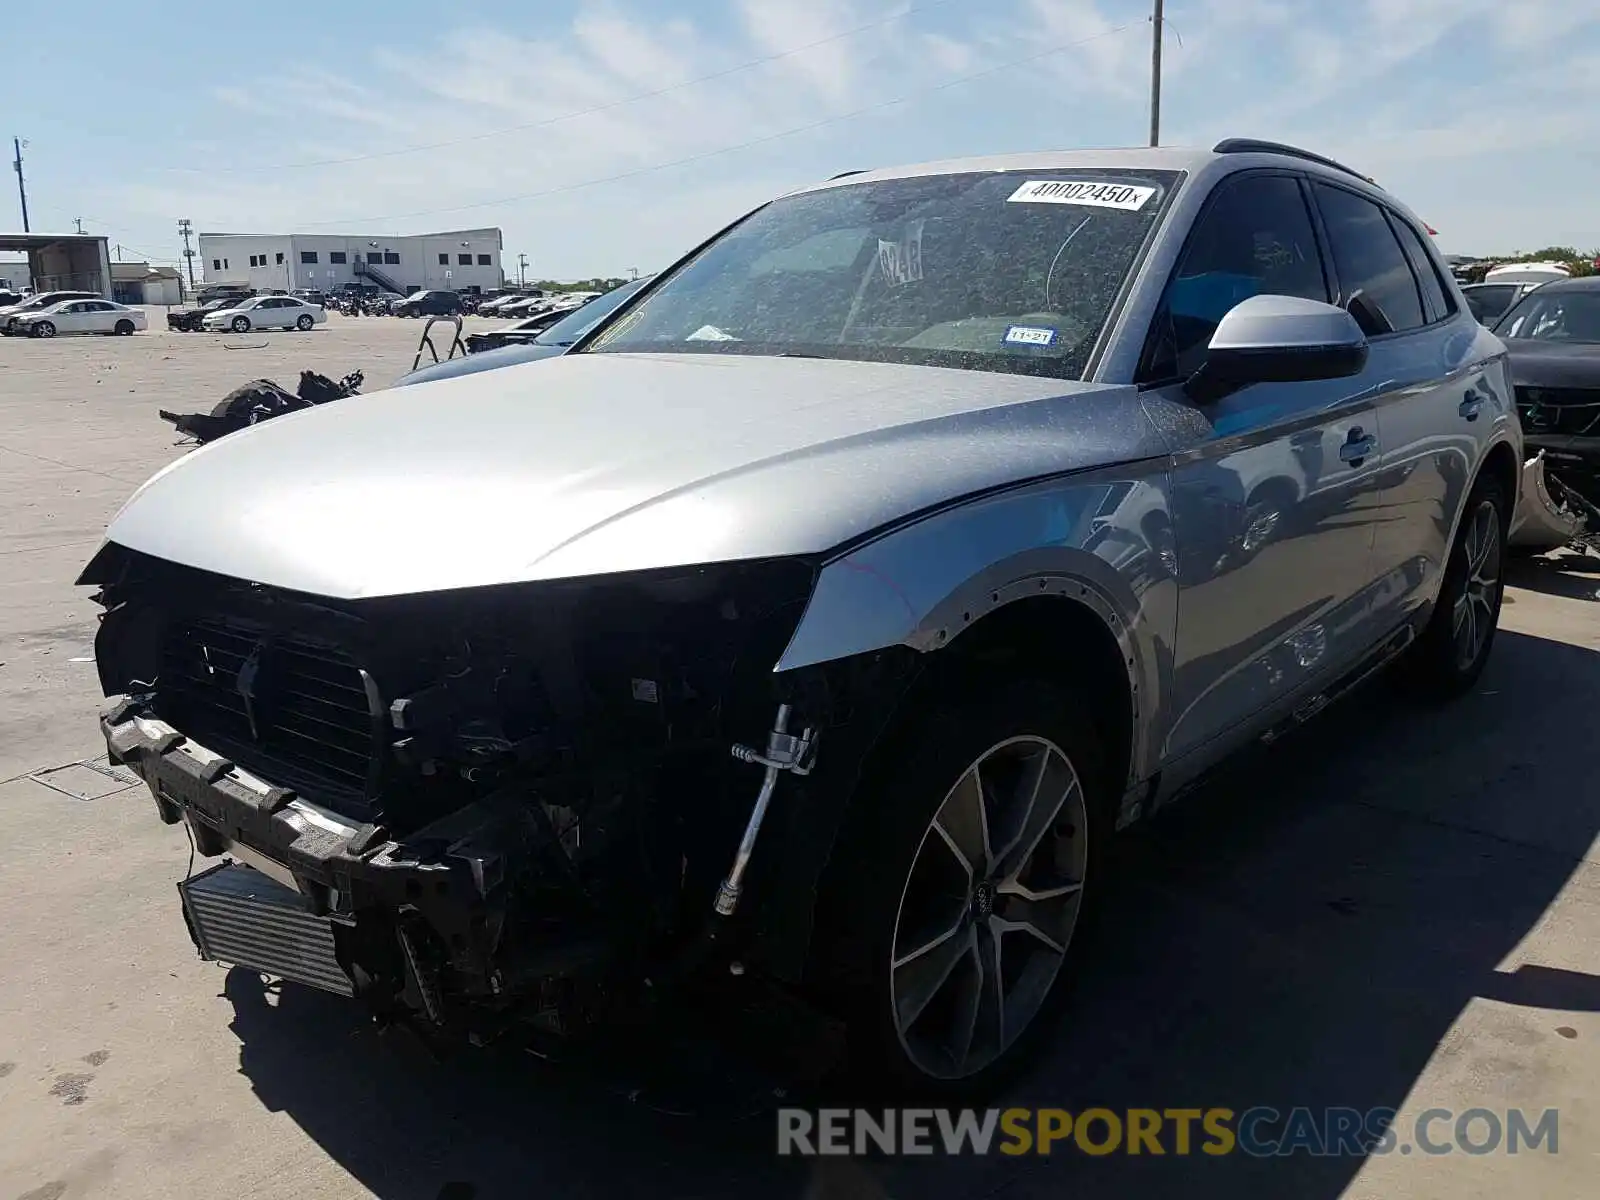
[[460, 260]]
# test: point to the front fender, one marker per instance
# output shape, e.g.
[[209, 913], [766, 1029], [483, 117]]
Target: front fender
[[1101, 538]]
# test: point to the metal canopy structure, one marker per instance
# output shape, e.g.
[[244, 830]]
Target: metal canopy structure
[[77, 262]]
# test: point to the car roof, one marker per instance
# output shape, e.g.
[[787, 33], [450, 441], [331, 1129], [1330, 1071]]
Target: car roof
[[1584, 283], [1226, 156]]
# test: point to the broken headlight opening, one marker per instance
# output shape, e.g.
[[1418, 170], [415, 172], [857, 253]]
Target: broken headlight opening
[[514, 806]]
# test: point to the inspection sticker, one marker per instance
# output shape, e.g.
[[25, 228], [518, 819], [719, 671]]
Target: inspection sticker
[[1127, 196], [1030, 335]]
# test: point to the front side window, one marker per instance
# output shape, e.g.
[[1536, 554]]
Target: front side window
[[1555, 315], [1254, 238], [999, 271], [1375, 280]]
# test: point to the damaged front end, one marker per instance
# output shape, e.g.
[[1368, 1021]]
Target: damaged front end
[[1560, 501], [484, 809]]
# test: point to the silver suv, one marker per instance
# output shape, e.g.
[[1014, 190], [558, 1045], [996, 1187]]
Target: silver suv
[[810, 628]]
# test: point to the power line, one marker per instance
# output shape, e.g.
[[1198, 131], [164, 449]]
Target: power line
[[771, 137], [572, 116]]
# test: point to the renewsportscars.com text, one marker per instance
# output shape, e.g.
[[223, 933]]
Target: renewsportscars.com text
[[1261, 1132]]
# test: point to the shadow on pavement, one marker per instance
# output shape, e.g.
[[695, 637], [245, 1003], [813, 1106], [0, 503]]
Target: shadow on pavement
[[1564, 573], [1303, 932]]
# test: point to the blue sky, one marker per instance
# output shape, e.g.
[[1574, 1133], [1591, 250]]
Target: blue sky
[[1483, 115]]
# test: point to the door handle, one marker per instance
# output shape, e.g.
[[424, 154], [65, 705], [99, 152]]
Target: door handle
[[1358, 447], [1471, 406]]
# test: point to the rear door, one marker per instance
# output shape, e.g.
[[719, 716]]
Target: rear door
[[1432, 398], [1273, 489]]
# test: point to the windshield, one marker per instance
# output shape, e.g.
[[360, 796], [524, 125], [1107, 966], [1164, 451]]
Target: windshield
[[581, 320], [1555, 315], [998, 271]]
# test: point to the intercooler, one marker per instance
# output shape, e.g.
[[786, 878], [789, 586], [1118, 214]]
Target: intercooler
[[237, 915]]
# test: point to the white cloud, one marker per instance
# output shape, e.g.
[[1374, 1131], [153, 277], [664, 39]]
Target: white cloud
[[1422, 90]]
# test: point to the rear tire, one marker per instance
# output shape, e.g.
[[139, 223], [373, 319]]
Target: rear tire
[[304, 323], [945, 942], [124, 328], [1454, 647]]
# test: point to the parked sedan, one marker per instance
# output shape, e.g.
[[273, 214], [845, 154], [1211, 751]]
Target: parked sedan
[[81, 316], [37, 303], [794, 647], [433, 303], [265, 312]]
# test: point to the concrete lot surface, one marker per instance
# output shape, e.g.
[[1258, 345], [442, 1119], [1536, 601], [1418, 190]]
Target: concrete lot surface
[[1395, 907]]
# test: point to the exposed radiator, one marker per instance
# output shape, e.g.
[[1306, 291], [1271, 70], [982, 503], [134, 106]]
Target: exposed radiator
[[237, 915]]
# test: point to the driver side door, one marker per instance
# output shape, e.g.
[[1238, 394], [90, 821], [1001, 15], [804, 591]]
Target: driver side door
[[1274, 488]]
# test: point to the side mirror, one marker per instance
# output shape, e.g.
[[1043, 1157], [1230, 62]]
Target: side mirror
[[1278, 339]]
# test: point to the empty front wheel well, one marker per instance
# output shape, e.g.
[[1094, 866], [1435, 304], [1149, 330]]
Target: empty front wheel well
[[1056, 639], [1501, 465]]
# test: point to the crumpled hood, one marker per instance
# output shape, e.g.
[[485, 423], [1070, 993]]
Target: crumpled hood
[[1539, 363], [599, 463]]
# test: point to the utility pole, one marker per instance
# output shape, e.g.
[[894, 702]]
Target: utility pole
[[633, 272], [22, 187], [186, 228], [522, 269], [78, 221], [1156, 22]]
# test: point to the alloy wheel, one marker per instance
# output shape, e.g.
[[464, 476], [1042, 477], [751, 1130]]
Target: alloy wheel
[[1473, 614], [989, 907]]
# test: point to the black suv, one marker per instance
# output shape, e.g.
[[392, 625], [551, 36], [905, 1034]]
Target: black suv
[[428, 304]]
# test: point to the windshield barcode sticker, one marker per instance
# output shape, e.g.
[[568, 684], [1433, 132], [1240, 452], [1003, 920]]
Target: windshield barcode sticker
[[1030, 335], [901, 261], [1127, 196]]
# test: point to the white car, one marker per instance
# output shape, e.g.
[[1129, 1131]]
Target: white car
[[80, 316], [266, 312]]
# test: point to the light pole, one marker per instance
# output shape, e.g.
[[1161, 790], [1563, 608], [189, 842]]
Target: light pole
[[522, 270], [1156, 22], [22, 187], [186, 228]]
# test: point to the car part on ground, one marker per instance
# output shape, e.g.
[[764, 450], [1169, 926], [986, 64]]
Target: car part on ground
[[425, 342], [258, 401], [938, 485]]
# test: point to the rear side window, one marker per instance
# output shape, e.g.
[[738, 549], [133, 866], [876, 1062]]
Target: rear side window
[[1489, 303], [1436, 302], [1254, 238], [1370, 263]]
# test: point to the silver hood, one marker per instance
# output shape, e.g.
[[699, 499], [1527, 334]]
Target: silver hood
[[596, 463]]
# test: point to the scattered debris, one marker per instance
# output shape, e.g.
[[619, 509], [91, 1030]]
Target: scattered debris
[[260, 400]]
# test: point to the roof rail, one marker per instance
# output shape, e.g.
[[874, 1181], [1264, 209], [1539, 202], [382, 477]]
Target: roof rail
[[1256, 146], [842, 174]]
